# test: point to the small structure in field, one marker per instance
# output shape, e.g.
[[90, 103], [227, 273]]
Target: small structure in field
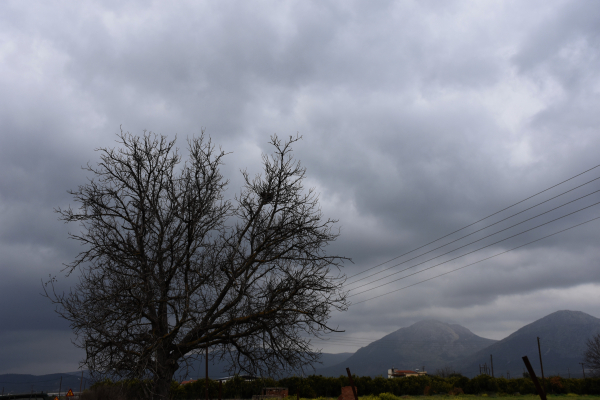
[[403, 373], [347, 393], [271, 393]]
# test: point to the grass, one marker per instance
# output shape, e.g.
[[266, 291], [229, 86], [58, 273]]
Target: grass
[[388, 396]]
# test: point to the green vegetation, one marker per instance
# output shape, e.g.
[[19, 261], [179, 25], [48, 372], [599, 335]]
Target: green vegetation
[[388, 396], [323, 388]]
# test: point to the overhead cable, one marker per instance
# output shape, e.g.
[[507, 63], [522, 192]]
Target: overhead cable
[[479, 230], [482, 219], [475, 241], [476, 262]]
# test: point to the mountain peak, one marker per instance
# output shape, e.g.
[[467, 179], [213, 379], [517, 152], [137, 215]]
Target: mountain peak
[[435, 331], [562, 337], [430, 343]]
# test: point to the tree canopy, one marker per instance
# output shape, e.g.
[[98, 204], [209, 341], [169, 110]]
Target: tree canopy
[[170, 267]]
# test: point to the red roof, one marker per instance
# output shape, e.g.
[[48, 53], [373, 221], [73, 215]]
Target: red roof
[[398, 371]]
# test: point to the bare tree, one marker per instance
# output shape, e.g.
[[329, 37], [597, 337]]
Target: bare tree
[[170, 267], [592, 354]]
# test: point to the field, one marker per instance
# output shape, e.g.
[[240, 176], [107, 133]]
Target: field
[[570, 396]]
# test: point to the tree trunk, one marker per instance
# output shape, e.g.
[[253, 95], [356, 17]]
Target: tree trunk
[[161, 389], [163, 377]]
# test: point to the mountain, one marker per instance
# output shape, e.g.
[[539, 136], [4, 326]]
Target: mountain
[[562, 336], [218, 369], [23, 383], [429, 344]]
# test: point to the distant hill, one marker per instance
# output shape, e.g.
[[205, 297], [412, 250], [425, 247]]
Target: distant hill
[[23, 383], [432, 344], [219, 369], [562, 340]]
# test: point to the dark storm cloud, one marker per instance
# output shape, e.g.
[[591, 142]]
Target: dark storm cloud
[[418, 118]]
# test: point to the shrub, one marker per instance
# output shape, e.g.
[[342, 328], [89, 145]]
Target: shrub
[[482, 383], [388, 396]]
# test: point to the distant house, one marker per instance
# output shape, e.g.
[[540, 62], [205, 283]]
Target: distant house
[[403, 373], [247, 378]]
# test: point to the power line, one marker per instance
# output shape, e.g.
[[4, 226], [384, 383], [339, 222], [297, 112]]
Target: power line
[[492, 234], [481, 248], [487, 258], [482, 219]]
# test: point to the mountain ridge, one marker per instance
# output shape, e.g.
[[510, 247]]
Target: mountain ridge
[[428, 343], [562, 343]]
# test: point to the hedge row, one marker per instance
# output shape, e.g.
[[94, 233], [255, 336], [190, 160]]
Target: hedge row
[[318, 386]]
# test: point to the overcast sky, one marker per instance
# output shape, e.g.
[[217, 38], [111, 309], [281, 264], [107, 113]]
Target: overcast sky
[[418, 118]]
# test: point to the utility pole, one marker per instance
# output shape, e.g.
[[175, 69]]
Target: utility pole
[[80, 383], [60, 387], [582, 370], [541, 365], [569, 371], [206, 381], [492, 364]]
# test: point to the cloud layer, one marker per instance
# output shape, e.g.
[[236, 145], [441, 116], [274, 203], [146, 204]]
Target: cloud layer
[[418, 118]]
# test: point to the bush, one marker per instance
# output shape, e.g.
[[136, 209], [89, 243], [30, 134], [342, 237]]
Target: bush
[[482, 383], [388, 396]]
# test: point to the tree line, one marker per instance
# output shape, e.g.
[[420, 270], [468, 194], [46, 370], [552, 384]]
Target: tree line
[[315, 386]]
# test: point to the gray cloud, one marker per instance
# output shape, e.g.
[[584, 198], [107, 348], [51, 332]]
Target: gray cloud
[[418, 119]]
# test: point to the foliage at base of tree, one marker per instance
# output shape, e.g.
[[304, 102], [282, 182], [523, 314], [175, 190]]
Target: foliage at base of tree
[[315, 386]]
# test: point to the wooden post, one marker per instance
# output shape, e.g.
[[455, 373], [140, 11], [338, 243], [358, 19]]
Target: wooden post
[[541, 365], [539, 388], [220, 389], [352, 384]]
